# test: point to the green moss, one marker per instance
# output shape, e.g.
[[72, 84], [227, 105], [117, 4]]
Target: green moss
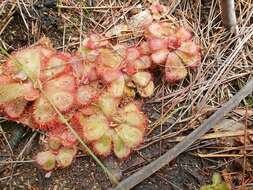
[[217, 184]]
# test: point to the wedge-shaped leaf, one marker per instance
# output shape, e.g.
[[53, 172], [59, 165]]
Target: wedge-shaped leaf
[[130, 107], [108, 74], [116, 88], [168, 29], [144, 48], [46, 49], [144, 62], [68, 139], [92, 41], [103, 146], [132, 54], [29, 60], [54, 66], [10, 92], [154, 30], [43, 113], [64, 82], [142, 78], [46, 160], [159, 57], [65, 156], [54, 142], [157, 44], [94, 126], [31, 93], [89, 54], [15, 108], [77, 64], [109, 58], [183, 35], [189, 54], [136, 119], [63, 100], [189, 48], [85, 94], [108, 104], [132, 116], [131, 136], [129, 92], [174, 68], [89, 110], [5, 79], [146, 91], [119, 148], [190, 61], [90, 72]]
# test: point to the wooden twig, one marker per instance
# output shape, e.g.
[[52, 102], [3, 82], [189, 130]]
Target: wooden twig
[[171, 154], [228, 13]]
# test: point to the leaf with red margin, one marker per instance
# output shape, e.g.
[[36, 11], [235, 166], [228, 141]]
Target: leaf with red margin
[[65, 156], [146, 91], [46, 160], [131, 115], [109, 65], [132, 54], [54, 142], [144, 62], [183, 35], [144, 48], [159, 57], [94, 126], [86, 94], [189, 52], [89, 110], [174, 68], [103, 146], [157, 44], [154, 30], [15, 108], [28, 60], [119, 147], [44, 114], [63, 100], [109, 58], [12, 91], [131, 136], [116, 88], [108, 104], [142, 78], [68, 139], [55, 65], [63, 82]]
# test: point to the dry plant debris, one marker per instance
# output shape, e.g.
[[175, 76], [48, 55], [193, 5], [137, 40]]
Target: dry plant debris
[[91, 89]]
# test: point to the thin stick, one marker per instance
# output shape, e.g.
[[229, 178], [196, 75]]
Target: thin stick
[[90, 8], [171, 154], [245, 149], [228, 13]]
